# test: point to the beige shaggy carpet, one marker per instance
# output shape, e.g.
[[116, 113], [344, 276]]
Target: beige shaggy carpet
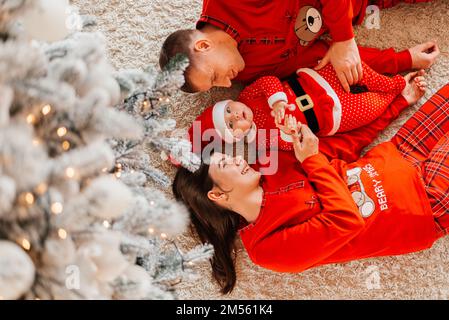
[[135, 30]]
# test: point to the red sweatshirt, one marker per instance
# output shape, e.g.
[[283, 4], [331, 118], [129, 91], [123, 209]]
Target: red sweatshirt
[[309, 216], [274, 39]]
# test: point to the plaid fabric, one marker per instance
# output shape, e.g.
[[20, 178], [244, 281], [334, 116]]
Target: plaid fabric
[[424, 141], [382, 4]]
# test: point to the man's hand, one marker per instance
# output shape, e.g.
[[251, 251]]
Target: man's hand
[[306, 144], [279, 111], [345, 58], [424, 55]]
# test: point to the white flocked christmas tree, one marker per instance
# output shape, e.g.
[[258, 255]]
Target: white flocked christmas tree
[[78, 219]]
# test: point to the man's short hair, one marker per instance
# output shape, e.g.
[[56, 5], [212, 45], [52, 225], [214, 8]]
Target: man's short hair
[[179, 42]]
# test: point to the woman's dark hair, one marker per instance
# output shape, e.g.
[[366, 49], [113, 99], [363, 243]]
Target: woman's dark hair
[[213, 224]]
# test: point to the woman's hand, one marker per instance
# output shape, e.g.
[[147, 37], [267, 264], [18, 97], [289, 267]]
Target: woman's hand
[[305, 143], [345, 58]]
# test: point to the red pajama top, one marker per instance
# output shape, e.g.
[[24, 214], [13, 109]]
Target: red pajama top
[[324, 212], [277, 37]]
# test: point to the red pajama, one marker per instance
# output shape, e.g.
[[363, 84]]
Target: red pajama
[[424, 141]]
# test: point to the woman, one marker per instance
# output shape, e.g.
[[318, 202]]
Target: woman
[[394, 200]]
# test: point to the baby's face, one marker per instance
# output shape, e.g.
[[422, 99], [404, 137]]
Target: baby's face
[[238, 118]]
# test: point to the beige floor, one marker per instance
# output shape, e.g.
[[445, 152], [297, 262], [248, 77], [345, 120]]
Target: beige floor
[[136, 29]]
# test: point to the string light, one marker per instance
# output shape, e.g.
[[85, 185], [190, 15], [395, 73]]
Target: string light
[[29, 198], [151, 203], [62, 234], [41, 188], [163, 236], [106, 224], [56, 208], [70, 172], [26, 244], [118, 174], [150, 230], [31, 119], [190, 263], [65, 145], [104, 169], [46, 109], [61, 131], [36, 142]]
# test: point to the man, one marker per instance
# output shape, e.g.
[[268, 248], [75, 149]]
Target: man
[[247, 39]]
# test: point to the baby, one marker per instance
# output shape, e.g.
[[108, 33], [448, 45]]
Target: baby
[[315, 98]]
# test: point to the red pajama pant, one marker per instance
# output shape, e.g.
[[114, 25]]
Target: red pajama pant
[[361, 109], [424, 141]]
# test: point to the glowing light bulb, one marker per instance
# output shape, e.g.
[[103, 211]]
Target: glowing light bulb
[[62, 234], [36, 142], [151, 203], [41, 188], [118, 174], [190, 263], [163, 236], [56, 208], [70, 172], [29, 198], [150, 230], [31, 119], [106, 224], [65, 145], [26, 244], [61, 131], [46, 109]]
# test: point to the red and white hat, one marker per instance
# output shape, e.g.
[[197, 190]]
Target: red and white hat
[[214, 118]]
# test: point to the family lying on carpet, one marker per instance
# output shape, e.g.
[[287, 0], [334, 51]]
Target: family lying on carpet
[[325, 203]]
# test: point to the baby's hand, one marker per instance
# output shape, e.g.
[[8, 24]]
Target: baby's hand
[[279, 111], [290, 125]]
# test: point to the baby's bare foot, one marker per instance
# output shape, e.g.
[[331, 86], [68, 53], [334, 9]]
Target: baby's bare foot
[[415, 86]]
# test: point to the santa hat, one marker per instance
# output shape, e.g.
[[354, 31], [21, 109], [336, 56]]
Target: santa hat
[[214, 118]]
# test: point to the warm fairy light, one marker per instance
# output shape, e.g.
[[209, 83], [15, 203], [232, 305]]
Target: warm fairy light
[[104, 169], [46, 109], [66, 145], [56, 208], [31, 119], [106, 224], [118, 174], [150, 230], [41, 188], [163, 235], [190, 263], [29, 198], [36, 142], [26, 244], [70, 172], [62, 234], [151, 203], [61, 131]]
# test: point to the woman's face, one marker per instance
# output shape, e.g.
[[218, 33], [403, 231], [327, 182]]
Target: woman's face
[[233, 175]]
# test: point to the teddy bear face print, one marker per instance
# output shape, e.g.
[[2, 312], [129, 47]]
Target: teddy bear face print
[[308, 25]]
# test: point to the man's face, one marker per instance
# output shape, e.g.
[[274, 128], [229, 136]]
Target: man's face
[[215, 67]]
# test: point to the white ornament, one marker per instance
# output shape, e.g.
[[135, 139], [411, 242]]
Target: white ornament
[[16, 271], [116, 198], [6, 96], [7, 194], [59, 252], [48, 20], [104, 251]]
